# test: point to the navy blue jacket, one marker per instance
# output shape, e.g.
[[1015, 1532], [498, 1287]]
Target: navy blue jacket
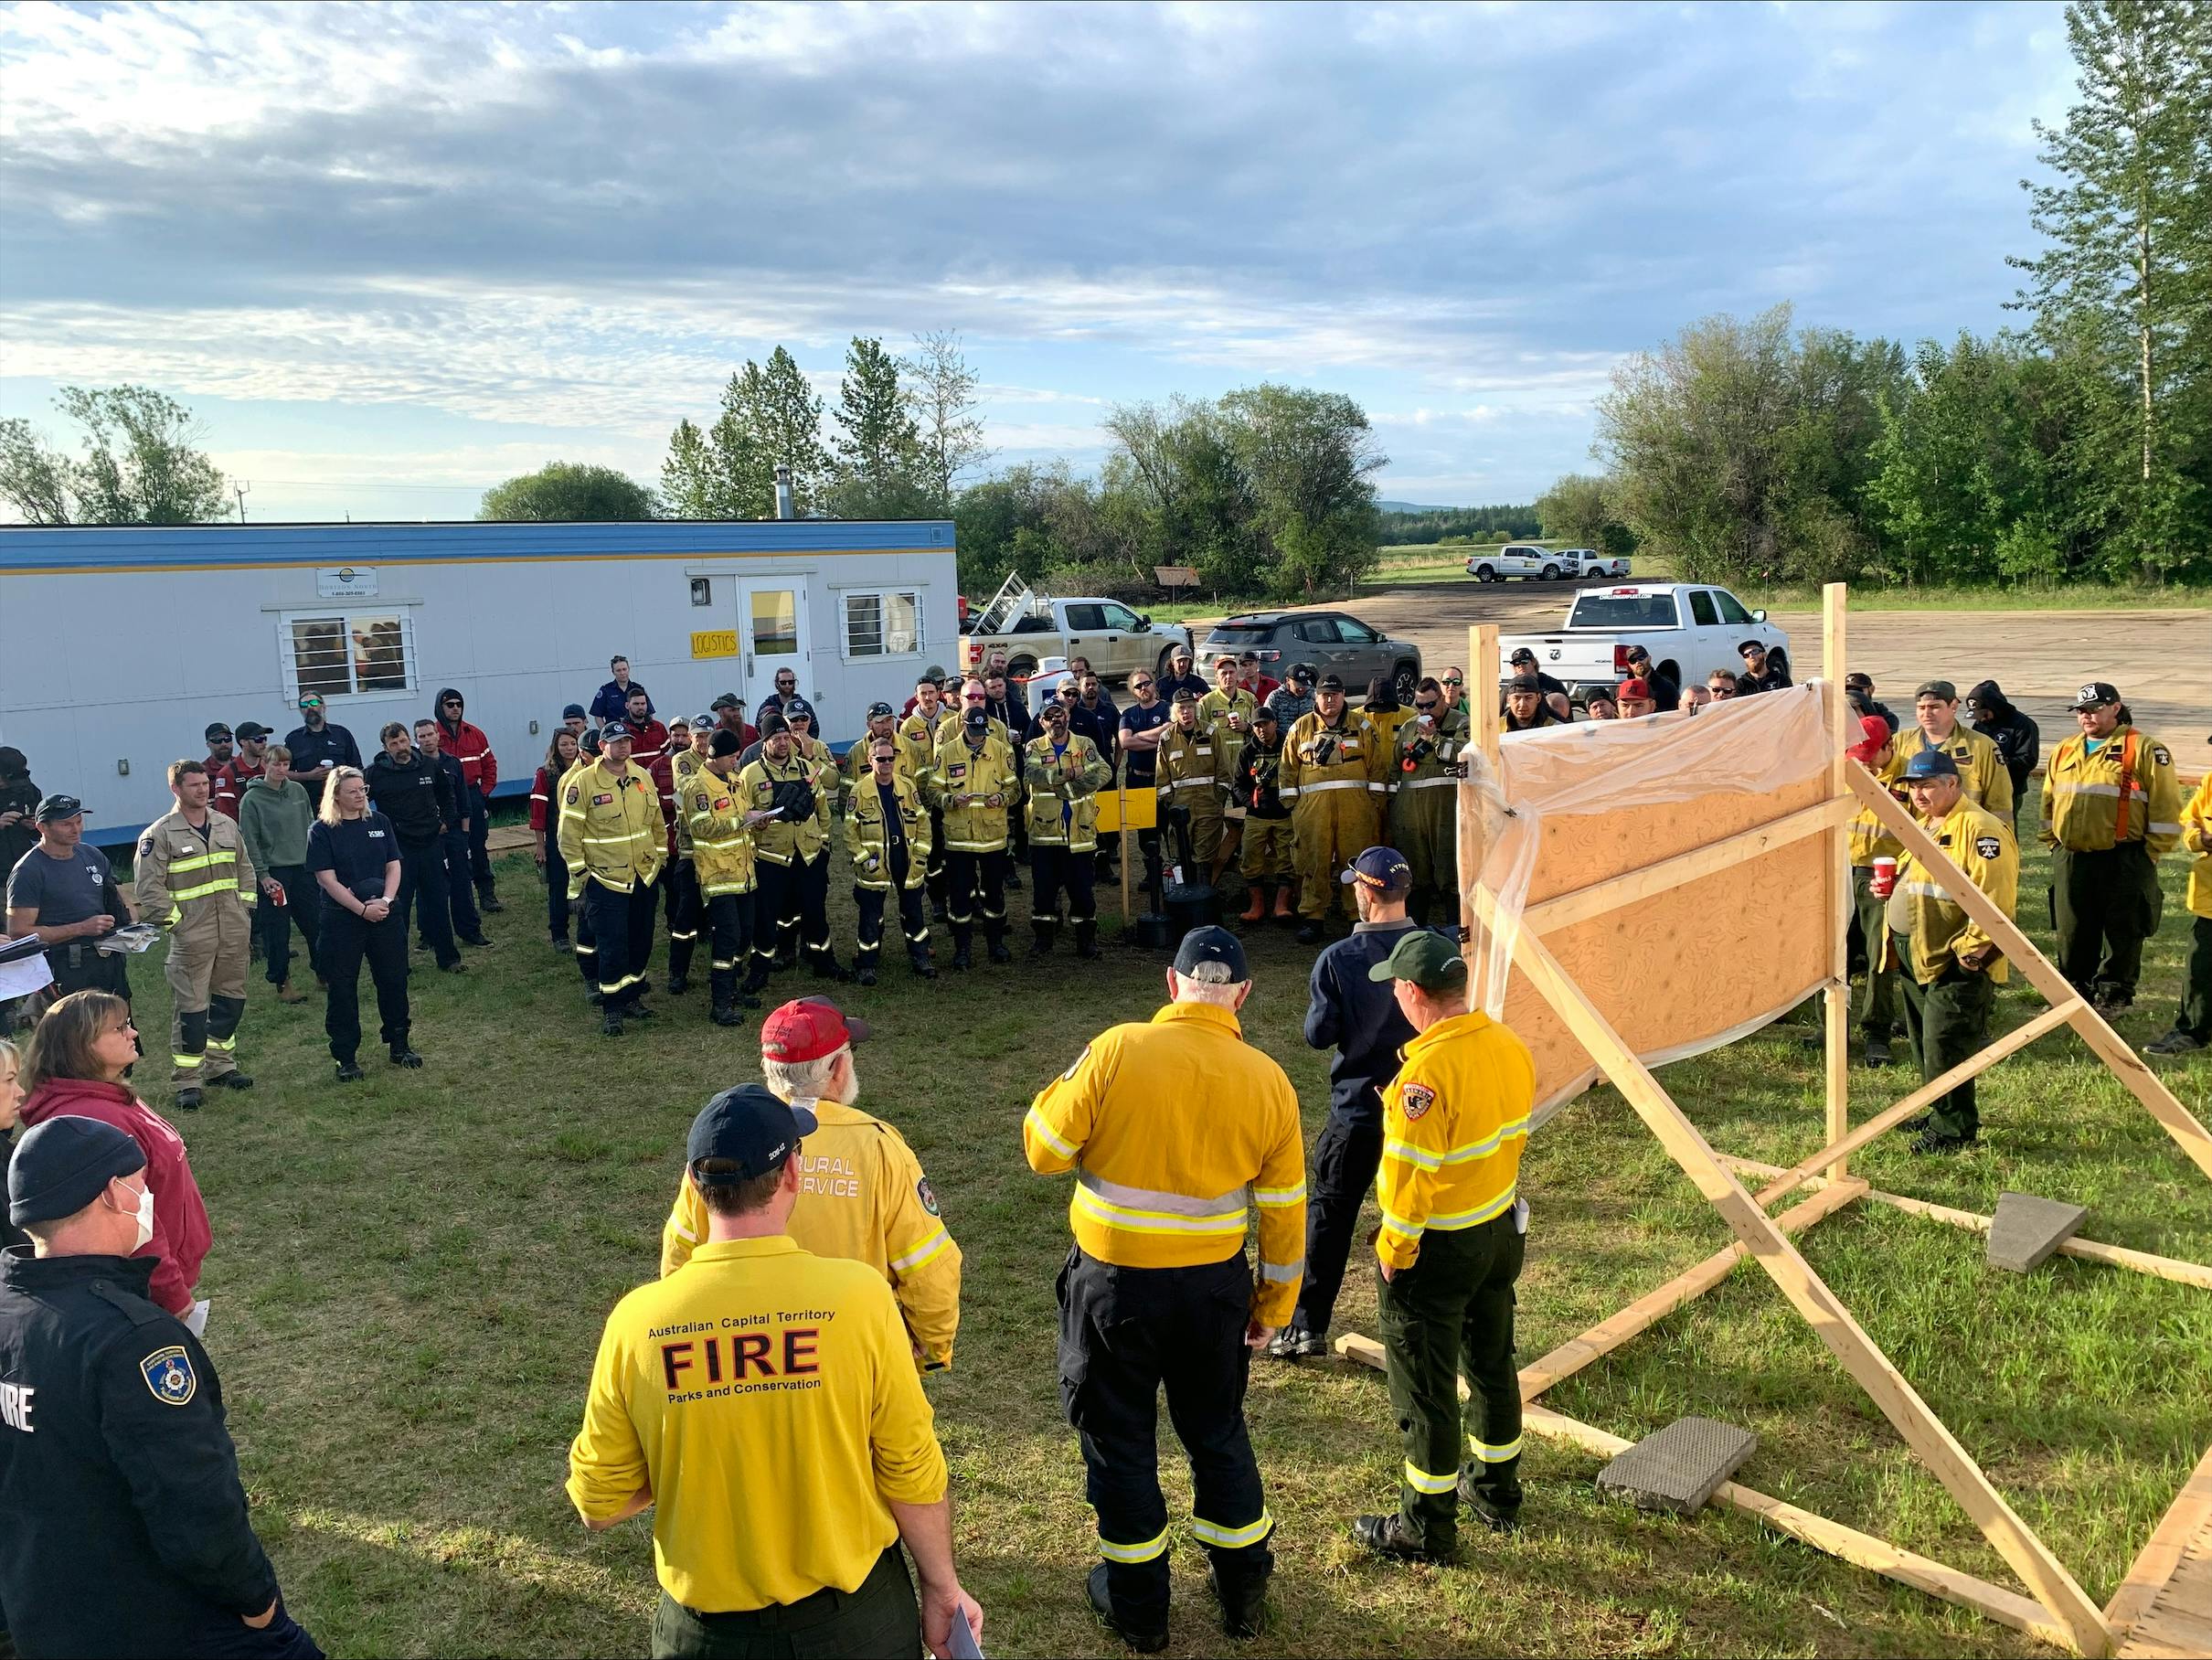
[[611, 702], [1358, 1017], [127, 1527]]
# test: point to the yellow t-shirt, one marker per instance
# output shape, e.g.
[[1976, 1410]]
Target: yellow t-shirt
[[769, 1399]]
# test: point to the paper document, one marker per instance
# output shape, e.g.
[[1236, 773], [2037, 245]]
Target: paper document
[[132, 937], [21, 979], [963, 1643]]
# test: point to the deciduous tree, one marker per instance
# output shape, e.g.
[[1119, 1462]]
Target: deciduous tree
[[140, 465]]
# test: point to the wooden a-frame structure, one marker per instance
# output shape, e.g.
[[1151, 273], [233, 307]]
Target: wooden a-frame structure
[[2059, 1611]]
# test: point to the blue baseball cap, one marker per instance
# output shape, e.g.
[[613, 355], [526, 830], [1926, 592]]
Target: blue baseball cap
[[797, 708], [575, 711], [976, 720], [1932, 763], [749, 1127], [1210, 944], [1381, 870], [612, 730]]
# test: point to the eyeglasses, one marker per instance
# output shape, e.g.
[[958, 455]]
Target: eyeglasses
[[974, 696]]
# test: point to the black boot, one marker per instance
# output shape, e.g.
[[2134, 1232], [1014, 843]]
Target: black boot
[[725, 1013], [963, 942], [679, 983], [610, 1021], [1043, 929], [1087, 940], [995, 934], [921, 965], [405, 1056], [864, 968], [1144, 1641], [487, 900]]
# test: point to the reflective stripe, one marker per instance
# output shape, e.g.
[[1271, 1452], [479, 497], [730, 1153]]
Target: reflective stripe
[[623, 985], [1466, 1152], [1231, 1538], [222, 1045], [1133, 1553], [1226, 1224], [974, 846], [2166, 829], [1495, 1455], [1279, 1195], [1426, 783], [1378, 788], [1400, 1226], [1485, 1212], [1036, 1122], [1421, 1158], [189, 1062], [1924, 890], [1194, 784], [1334, 783], [923, 1252], [1420, 1481], [181, 895], [2134, 788], [1155, 1198], [1282, 1274]]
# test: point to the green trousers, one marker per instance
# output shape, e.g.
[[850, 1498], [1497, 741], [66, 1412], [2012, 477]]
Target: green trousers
[[1877, 995], [2104, 904], [881, 1618], [2195, 1016], [1948, 1021], [1448, 1316]]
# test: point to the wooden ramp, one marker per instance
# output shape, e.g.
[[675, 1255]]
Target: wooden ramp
[[2179, 1621]]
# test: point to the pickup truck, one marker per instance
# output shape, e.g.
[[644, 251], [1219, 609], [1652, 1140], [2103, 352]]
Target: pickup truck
[[1520, 559], [1689, 629], [1589, 563], [1030, 627]]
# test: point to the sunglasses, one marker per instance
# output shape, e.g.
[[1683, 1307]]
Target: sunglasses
[[974, 697], [1424, 707], [1140, 685], [1451, 680]]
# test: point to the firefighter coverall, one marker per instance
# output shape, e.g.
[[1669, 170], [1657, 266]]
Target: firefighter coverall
[[1455, 1120], [918, 752], [1227, 869], [1177, 1130], [198, 885], [790, 864], [1880, 998], [1187, 772], [722, 864], [886, 831], [1333, 775], [1061, 784], [1255, 783], [614, 842], [1424, 778], [977, 789], [680, 881], [2195, 1020], [2108, 815], [1983, 778], [1947, 1004]]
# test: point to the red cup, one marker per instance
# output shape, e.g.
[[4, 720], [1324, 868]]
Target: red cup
[[1885, 878]]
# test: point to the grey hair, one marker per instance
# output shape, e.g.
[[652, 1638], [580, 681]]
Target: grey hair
[[1209, 982], [801, 1080]]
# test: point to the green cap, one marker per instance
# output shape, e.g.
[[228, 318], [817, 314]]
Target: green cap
[[1428, 958]]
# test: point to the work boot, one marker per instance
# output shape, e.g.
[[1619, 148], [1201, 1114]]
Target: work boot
[[1296, 1343], [349, 1071], [1934, 1141], [2173, 1043], [1385, 1536], [1877, 1051], [1243, 1602], [559, 942], [964, 945], [486, 900], [1101, 1604], [864, 973], [994, 934], [922, 967], [232, 1080], [610, 1022], [756, 981], [187, 1099], [1087, 941], [1284, 909], [2112, 1000], [286, 994], [1309, 933], [725, 1013], [1041, 945], [1257, 908], [1494, 1514], [678, 985], [404, 1056]]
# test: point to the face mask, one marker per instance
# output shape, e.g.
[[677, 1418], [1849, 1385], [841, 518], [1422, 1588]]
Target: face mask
[[145, 1218]]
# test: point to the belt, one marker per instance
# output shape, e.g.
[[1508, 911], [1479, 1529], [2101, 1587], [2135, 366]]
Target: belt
[[807, 1610]]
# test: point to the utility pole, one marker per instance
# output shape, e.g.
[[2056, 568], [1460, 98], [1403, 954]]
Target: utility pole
[[240, 486]]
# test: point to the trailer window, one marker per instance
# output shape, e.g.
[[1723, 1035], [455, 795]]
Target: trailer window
[[883, 624], [338, 656]]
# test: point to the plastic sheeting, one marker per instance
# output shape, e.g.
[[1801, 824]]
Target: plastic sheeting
[[1692, 967]]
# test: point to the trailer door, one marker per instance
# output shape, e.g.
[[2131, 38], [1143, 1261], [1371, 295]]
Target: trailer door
[[771, 615]]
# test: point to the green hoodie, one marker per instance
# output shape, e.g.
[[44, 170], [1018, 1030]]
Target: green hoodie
[[275, 823]]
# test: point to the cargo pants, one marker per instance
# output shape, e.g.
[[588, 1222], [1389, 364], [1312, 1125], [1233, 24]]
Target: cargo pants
[[206, 976], [1332, 823], [2104, 904], [1948, 1021]]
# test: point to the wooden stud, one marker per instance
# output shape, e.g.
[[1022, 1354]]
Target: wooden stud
[[1882, 1122], [1654, 1306], [1484, 675], [1583, 903], [1835, 1005], [2189, 1514], [2020, 951], [2027, 1556]]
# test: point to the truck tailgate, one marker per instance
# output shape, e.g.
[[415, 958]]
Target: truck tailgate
[[1565, 657]]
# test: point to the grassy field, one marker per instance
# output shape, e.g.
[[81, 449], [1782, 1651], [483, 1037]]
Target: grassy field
[[409, 1277]]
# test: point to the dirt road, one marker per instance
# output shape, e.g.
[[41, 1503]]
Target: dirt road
[[2160, 660]]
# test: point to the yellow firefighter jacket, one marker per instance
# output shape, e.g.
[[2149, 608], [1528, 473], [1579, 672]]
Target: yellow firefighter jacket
[[612, 829], [1357, 758], [781, 841], [713, 815], [1189, 770], [2126, 792], [2196, 839], [1983, 775], [1063, 807], [964, 781], [682, 766], [1455, 1119], [1936, 927], [867, 838]]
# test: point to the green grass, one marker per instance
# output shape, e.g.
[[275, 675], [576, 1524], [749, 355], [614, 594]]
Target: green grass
[[409, 1277]]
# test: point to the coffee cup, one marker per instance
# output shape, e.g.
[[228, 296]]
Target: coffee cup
[[1884, 881]]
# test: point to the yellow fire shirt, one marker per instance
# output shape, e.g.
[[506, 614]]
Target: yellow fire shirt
[[769, 1399]]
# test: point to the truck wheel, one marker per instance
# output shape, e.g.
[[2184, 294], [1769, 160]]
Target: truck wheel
[[1779, 659], [1486, 573], [1551, 573], [1406, 676], [1160, 669], [1021, 668]]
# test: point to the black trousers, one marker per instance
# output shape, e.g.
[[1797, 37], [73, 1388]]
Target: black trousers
[[730, 933], [1125, 1333], [346, 939], [1451, 1317], [1347, 1155], [681, 883], [2195, 1016], [873, 902], [77, 966], [934, 876], [460, 892], [622, 935], [1054, 868], [976, 886], [557, 890], [303, 906], [879, 1620], [423, 886], [2104, 904], [1948, 1021], [480, 831]]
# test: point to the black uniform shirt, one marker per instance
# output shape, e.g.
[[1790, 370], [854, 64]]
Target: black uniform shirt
[[1144, 764], [1358, 1017], [334, 744], [355, 851], [61, 892], [127, 1531], [416, 796]]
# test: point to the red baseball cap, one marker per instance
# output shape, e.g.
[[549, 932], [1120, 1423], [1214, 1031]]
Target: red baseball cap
[[807, 1029], [1874, 732], [1635, 689]]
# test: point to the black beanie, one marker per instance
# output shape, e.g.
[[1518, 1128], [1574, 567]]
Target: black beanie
[[62, 1165], [725, 743]]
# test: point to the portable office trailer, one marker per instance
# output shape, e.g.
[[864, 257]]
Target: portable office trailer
[[122, 642]]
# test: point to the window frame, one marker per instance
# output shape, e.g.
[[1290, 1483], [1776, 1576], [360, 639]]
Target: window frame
[[882, 598], [349, 621], [1701, 599]]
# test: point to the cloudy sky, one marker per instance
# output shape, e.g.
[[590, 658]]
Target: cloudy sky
[[392, 254]]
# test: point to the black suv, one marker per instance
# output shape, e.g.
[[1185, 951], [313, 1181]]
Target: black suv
[[1332, 641]]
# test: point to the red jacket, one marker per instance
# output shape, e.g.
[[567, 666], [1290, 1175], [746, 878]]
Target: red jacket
[[181, 1236], [663, 767], [467, 744], [541, 796], [228, 783], [647, 741]]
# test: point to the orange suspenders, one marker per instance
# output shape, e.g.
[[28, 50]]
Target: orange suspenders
[[2127, 782]]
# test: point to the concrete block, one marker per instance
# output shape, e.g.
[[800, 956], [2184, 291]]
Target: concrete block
[[1679, 1467], [2026, 1230]]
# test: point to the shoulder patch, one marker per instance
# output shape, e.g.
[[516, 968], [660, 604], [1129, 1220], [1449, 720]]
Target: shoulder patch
[[146, 846], [1988, 847], [575, 794], [1076, 1065], [169, 1376], [927, 1195], [2161, 755], [1415, 1099]]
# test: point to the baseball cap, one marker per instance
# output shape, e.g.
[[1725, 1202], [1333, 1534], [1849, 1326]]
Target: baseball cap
[[934, 672], [751, 1128], [56, 807], [807, 1029], [1331, 683], [701, 721], [1858, 680], [1636, 654], [590, 743], [61, 1166], [727, 700], [1633, 688], [2094, 693], [612, 730], [1052, 709], [772, 723], [1381, 870], [1521, 654], [575, 711], [1303, 671], [1263, 713], [1525, 682], [253, 728], [798, 708], [1212, 944], [1750, 646], [679, 720], [216, 729], [1943, 690], [977, 720], [1429, 960], [1185, 695], [1932, 763], [725, 743], [1874, 732], [880, 710]]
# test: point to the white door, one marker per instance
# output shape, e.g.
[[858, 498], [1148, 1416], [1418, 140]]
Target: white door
[[771, 634]]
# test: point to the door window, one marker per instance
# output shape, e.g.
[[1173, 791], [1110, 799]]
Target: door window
[[1086, 619], [1358, 633], [1119, 616], [775, 622], [1730, 611], [1318, 630], [1701, 608]]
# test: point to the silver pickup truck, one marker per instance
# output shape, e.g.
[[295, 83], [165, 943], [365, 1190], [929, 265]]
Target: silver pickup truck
[[1030, 627]]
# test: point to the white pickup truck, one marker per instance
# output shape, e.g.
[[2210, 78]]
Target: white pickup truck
[[1689, 628], [1520, 559]]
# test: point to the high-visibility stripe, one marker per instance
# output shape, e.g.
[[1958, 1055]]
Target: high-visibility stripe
[[623, 985], [1231, 1538], [1378, 788], [189, 1062], [2172, 829], [1225, 1224], [1923, 890], [2134, 788], [222, 1045], [1400, 1226], [181, 895], [1145, 1552], [1466, 1152], [976, 846], [931, 1247], [1497, 1454], [1036, 1122], [1194, 784], [1273, 1196], [1289, 794], [1420, 1481], [1426, 783], [1451, 1222], [1159, 1199], [1282, 1274], [1333, 783]]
